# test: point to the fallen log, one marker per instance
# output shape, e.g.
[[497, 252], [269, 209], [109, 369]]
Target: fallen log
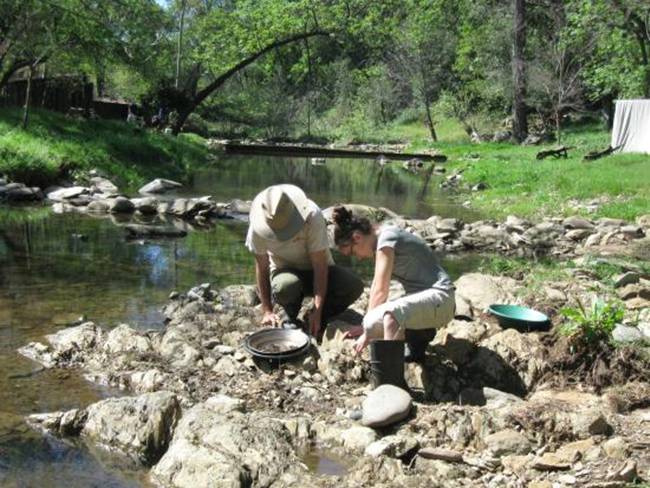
[[135, 231], [560, 152], [593, 155]]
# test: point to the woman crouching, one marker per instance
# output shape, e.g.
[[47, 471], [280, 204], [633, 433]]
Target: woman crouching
[[429, 302]]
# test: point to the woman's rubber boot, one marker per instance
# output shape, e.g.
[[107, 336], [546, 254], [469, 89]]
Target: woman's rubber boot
[[416, 344], [387, 363]]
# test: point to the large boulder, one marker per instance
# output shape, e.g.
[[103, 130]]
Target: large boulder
[[123, 339], [217, 445], [139, 427], [159, 185], [481, 291], [63, 194]]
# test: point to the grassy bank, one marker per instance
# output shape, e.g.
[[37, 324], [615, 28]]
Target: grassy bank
[[54, 145], [519, 184]]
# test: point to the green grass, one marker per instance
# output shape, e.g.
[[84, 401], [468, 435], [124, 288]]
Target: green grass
[[521, 185], [54, 145]]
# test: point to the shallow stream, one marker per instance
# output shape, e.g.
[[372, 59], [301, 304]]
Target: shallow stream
[[56, 268]]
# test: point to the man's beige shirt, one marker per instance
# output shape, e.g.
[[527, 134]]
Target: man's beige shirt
[[294, 253]]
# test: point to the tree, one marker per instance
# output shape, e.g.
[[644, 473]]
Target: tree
[[519, 116], [424, 51]]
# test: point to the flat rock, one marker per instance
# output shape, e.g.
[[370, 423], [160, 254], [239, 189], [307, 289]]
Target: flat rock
[[508, 441], [395, 446], [577, 223], [159, 185], [386, 405], [550, 462], [67, 193]]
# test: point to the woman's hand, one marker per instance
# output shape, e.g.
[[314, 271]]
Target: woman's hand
[[270, 318], [354, 331], [361, 343]]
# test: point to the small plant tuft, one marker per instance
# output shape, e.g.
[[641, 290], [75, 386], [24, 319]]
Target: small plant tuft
[[593, 325]]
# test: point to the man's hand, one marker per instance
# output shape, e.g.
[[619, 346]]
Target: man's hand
[[361, 343], [314, 322], [270, 318]]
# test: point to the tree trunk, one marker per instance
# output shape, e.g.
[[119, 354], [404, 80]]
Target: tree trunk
[[208, 90], [180, 44], [28, 92], [520, 124], [432, 129]]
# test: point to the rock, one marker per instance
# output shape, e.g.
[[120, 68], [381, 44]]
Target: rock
[[148, 381], [480, 186], [616, 448], [577, 223], [120, 205], [576, 451], [386, 405], [139, 427], [637, 303], [67, 346], [550, 462], [506, 442], [625, 279], [358, 438], [22, 194], [68, 423], [230, 449], [644, 327], [481, 290], [634, 290], [159, 185], [102, 185], [626, 473], [590, 422], [63, 194], [145, 205], [626, 334], [177, 350], [567, 479], [224, 404], [99, 206], [448, 455], [632, 231], [123, 339], [394, 446]]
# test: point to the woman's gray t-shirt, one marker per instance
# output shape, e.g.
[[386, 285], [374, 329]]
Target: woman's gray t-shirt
[[415, 265]]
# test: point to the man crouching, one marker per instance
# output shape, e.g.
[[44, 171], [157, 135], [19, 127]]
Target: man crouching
[[288, 235]]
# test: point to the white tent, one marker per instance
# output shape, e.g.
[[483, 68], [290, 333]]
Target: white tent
[[631, 131]]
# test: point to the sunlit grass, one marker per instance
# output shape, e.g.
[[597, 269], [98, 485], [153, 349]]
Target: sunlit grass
[[54, 144]]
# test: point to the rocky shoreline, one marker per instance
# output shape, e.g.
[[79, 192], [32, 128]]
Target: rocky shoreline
[[488, 408], [155, 214]]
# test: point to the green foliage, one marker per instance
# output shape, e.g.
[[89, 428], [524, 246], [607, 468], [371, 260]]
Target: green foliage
[[592, 325], [54, 145]]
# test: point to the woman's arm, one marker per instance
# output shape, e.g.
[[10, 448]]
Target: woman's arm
[[381, 280]]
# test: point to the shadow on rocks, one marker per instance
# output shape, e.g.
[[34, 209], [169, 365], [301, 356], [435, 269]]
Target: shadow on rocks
[[458, 371]]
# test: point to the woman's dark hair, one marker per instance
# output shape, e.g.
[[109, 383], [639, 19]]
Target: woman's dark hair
[[345, 224]]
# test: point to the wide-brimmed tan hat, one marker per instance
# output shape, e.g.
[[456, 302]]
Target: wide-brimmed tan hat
[[279, 212]]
